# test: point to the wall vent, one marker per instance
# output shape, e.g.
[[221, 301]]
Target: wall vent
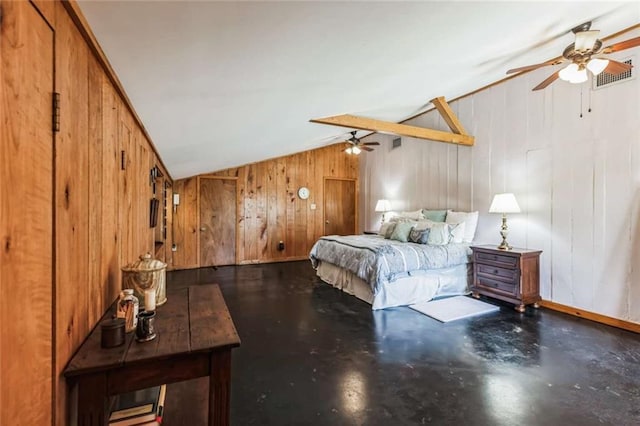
[[397, 143], [605, 79]]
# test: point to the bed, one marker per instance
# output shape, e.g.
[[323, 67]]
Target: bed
[[387, 272]]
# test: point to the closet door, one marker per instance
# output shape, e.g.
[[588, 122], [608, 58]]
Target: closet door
[[339, 206], [217, 221], [26, 215]]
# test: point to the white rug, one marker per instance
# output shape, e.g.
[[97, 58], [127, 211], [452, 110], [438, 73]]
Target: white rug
[[454, 308]]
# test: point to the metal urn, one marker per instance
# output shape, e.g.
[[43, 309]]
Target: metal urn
[[145, 274]]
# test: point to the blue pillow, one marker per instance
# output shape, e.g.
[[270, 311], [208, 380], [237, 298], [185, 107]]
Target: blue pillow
[[401, 231], [419, 236], [435, 215]]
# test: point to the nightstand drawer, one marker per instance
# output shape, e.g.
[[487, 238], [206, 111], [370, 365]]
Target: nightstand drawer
[[497, 285], [496, 259], [498, 273]]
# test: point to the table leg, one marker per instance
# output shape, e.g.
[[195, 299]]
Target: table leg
[[92, 400], [220, 388]]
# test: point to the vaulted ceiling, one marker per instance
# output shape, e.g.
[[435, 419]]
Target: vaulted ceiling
[[221, 84]]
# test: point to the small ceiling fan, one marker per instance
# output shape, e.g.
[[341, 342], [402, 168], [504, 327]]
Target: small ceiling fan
[[584, 54], [355, 145]]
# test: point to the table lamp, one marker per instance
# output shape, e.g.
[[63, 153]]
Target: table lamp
[[504, 203], [383, 206]]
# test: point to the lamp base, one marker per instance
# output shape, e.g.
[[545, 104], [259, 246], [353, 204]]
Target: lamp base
[[504, 231], [504, 246]]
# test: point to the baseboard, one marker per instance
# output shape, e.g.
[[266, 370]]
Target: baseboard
[[603, 319], [284, 259], [244, 262]]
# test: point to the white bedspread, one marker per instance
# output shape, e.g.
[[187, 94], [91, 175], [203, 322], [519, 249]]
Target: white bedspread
[[379, 261]]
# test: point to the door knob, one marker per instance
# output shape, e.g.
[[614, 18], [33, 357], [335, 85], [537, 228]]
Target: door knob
[[203, 229], [326, 221]]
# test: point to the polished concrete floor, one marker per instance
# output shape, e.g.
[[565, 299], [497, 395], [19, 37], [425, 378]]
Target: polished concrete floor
[[312, 355]]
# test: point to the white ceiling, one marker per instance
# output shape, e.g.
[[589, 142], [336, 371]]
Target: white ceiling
[[222, 84]]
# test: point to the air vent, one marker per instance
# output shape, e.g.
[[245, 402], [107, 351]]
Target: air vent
[[605, 79], [397, 143]]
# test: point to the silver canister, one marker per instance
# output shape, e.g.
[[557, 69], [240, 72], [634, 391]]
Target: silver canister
[[144, 274]]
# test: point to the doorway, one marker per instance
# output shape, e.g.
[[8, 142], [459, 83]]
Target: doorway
[[340, 214], [217, 197]]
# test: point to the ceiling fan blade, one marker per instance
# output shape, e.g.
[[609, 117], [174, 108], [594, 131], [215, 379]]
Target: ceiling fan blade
[[627, 44], [371, 143], [366, 148], [585, 40], [616, 67], [535, 66], [553, 77]]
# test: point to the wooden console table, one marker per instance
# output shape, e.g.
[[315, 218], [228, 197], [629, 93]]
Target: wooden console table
[[195, 339]]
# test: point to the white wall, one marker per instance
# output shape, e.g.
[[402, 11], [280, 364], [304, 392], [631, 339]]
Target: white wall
[[577, 180]]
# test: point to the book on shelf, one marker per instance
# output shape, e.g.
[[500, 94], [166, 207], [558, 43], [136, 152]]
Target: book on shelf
[[141, 407]]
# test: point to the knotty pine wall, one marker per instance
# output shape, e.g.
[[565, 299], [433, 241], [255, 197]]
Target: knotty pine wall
[[71, 218], [577, 180], [268, 208]]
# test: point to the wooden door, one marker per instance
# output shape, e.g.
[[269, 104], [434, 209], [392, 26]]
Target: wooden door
[[217, 221], [26, 215], [339, 206]]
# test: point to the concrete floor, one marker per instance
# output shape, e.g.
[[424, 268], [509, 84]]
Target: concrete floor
[[312, 355]]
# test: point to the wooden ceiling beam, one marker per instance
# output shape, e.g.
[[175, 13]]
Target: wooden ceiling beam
[[363, 123], [449, 116]]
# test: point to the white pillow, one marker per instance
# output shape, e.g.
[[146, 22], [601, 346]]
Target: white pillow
[[471, 223], [384, 228], [423, 224], [416, 215], [457, 232], [439, 235]]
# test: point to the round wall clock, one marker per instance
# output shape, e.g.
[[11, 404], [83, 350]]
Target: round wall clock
[[303, 192]]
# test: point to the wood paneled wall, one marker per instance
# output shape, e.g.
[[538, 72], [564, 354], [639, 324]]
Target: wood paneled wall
[[571, 155], [70, 216], [26, 216], [268, 208]]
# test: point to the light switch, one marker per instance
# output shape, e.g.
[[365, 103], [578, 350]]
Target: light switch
[[312, 206]]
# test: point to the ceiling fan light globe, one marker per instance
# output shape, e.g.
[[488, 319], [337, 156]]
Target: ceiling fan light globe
[[355, 150], [349, 150], [568, 72], [596, 65], [579, 77]]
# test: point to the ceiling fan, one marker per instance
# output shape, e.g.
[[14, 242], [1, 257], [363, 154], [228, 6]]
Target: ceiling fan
[[355, 145], [584, 54]]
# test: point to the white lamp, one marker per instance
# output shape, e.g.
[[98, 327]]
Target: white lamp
[[597, 65], [573, 74], [383, 206], [353, 150], [504, 203]]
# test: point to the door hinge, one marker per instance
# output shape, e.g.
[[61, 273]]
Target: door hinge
[[123, 160], [56, 112]]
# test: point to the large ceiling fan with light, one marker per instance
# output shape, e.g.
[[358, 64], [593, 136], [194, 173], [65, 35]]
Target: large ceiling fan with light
[[356, 146], [584, 54]]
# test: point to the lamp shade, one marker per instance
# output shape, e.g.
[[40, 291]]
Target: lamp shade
[[383, 206], [504, 203], [573, 74], [596, 65]]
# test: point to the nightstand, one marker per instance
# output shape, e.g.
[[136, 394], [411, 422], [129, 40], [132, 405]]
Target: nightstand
[[509, 275]]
